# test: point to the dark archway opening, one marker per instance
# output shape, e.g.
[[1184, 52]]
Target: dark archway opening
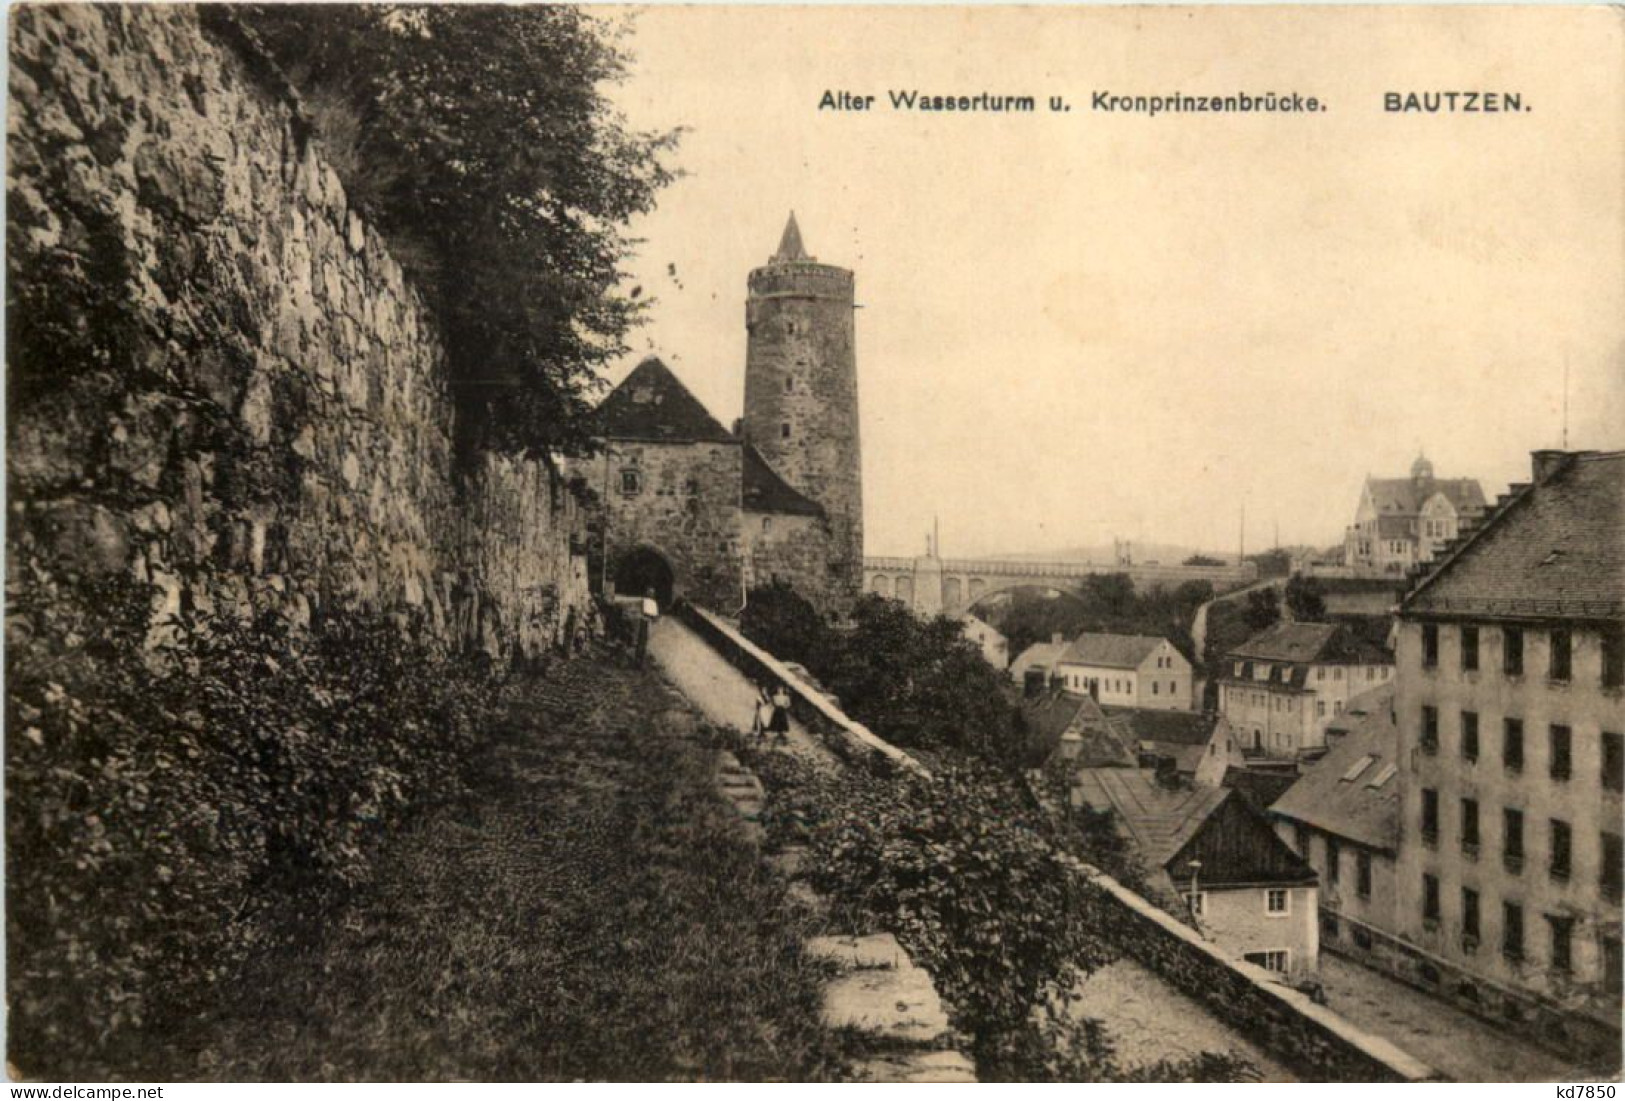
[[643, 570]]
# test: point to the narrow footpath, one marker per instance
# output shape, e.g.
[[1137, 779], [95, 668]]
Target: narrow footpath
[[588, 906]]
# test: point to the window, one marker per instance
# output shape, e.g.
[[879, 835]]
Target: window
[[767, 523], [1613, 866], [1512, 930], [1562, 655], [1277, 901], [1613, 761], [1276, 959], [1469, 914], [1613, 658], [789, 384], [631, 482], [784, 430], [1430, 645], [1562, 849], [1469, 736], [1430, 816], [1430, 900], [1512, 744], [1561, 744], [1512, 839], [1384, 774], [1156, 688], [1430, 729], [1562, 942], [1512, 651], [1334, 860], [1469, 827], [1320, 709], [1469, 649], [1613, 973]]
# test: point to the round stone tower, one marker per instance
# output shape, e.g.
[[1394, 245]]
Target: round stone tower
[[801, 394]]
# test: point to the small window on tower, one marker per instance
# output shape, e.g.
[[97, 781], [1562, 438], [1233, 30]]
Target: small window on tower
[[784, 430], [789, 384]]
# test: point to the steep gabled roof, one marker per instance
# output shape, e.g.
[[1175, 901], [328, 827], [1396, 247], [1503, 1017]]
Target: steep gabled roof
[[1406, 496], [1192, 728], [1112, 651], [765, 491], [1353, 791], [1555, 547], [1051, 714], [652, 404]]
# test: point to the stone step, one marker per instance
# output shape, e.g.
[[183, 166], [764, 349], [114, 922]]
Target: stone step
[[917, 1066], [891, 1007], [879, 951]]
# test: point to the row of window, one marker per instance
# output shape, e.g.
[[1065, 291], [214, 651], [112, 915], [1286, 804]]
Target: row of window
[[1559, 743], [1559, 652], [1560, 928], [1560, 842]]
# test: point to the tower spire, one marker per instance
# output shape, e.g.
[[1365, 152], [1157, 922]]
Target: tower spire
[[790, 246]]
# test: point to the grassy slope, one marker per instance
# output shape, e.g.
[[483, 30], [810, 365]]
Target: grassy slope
[[590, 910]]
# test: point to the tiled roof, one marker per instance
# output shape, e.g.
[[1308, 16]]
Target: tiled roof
[[1052, 714], [1170, 824], [1406, 496], [1317, 643], [1336, 796], [1159, 817], [1114, 651], [1556, 547], [765, 491], [1172, 727], [652, 404], [1260, 787]]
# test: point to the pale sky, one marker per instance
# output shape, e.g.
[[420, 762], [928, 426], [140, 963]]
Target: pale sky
[[1080, 325]]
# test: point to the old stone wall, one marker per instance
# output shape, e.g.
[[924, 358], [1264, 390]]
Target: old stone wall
[[680, 501], [220, 380], [796, 550]]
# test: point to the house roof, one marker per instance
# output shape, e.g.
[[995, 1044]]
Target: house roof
[[1555, 547], [1315, 643], [791, 249], [1168, 823], [1052, 714], [652, 404], [1336, 793], [1260, 787], [1113, 651], [1040, 655], [1194, 728], [765, 491], [1406, 496]]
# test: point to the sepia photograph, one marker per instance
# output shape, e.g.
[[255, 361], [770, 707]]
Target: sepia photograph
[[831, 544]]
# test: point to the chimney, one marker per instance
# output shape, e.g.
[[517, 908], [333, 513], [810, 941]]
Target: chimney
[[1546, 463]]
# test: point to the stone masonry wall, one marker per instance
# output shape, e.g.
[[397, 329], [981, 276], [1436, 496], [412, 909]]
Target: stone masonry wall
[[220, 380]]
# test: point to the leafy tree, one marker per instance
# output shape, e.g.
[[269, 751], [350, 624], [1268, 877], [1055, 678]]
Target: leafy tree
[[1263, 609], [786, 625], [1305, 600], [479, 140], [1203, 560]]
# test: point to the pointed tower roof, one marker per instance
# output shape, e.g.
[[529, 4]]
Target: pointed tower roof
[[791, 249]]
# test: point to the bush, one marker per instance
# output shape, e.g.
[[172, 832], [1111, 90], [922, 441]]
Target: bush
[[153, 799]]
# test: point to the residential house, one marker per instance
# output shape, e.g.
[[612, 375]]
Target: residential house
[[1281, 688], [1127, 671], [1198, 746], [994, 646], [1063, 726], [1510, 699], [1342, 816], [1248, 891], [1039, 658], [1401, 522]]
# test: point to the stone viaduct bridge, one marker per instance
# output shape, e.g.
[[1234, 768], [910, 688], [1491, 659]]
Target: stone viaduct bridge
[[951, 586]]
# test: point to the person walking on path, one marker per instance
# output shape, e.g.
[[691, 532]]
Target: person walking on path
[[780, 724], [648, 612], [762, 712]]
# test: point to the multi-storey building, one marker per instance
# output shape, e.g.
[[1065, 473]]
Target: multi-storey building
[[1403, 521], [1510, 702], [1280, 689]]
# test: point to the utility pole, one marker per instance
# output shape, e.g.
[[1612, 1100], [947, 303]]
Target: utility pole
[[1241, 547]]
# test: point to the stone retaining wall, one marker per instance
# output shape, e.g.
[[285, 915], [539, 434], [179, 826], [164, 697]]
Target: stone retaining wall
[[220, 380]]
